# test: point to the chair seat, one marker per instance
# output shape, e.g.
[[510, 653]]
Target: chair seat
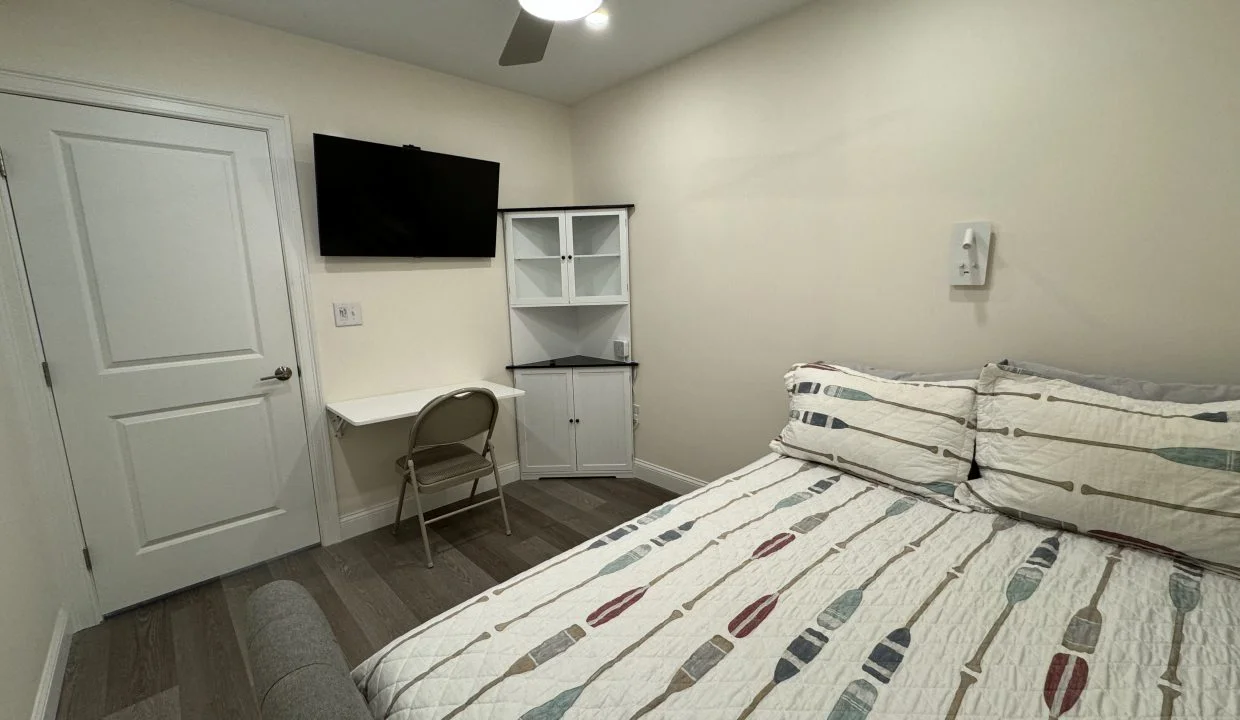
[[439, 464]]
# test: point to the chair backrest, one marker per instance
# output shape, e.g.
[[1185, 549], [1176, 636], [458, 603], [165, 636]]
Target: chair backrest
[[455, 417]]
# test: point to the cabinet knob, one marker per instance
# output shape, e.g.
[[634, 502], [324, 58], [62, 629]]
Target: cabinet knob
[[563, 257], [570, 257]]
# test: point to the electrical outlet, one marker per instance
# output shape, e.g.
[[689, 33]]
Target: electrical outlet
[[347, 314]]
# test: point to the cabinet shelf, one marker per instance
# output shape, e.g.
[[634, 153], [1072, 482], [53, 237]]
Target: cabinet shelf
[[538, 257], [597, 255]]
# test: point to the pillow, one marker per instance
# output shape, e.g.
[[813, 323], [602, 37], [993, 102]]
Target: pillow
[[1164, 476], [915, 436], [1136, 389]]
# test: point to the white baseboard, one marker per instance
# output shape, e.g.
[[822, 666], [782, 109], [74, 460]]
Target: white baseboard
[[378, 516], [47, 697], [676, 482]]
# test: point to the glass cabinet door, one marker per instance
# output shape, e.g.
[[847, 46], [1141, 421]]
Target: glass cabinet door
[[538, 260], [597, 256]]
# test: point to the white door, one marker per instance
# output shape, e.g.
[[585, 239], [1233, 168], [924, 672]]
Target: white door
[[598, 263], [537, 259], [603, 399], [545, 421], [155, 263]]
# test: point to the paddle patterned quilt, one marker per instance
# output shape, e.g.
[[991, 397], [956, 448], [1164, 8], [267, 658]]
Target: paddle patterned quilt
[[790, 590]]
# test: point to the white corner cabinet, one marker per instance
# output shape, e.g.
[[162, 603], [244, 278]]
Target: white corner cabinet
[[567, 257], [575, 421], [568, 291]]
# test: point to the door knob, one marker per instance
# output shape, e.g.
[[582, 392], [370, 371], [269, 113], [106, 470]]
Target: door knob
[[282, 374]]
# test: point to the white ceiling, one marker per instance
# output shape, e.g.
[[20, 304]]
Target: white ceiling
[[465, 37]]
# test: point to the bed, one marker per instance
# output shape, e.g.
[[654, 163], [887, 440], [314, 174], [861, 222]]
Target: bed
[[790, 589]]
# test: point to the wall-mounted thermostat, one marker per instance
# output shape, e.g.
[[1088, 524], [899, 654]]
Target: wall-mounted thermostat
[[970, 253]]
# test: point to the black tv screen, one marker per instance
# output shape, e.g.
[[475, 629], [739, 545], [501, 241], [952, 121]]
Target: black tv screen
[[380, 200], [459, 200]]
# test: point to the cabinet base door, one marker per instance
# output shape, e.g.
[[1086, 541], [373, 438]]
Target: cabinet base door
[[544, 430], [603, 400]]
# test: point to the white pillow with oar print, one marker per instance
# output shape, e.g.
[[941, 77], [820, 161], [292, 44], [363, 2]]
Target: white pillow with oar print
[[915, 436], [1160, 475]]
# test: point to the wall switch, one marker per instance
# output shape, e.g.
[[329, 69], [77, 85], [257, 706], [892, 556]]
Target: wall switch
[[969, 256], [637, 413], [347, 314]]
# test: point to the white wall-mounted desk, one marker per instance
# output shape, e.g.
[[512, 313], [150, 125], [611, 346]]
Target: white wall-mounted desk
[[397, 406]]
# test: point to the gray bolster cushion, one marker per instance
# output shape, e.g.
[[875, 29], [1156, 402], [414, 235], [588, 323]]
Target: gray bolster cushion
[[298, 669]]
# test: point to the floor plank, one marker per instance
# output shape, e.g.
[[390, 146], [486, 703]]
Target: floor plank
[[571, 494], [380, 613], [639, 495], [237, 589], [140, 660], [585, 522], [454, 579], [84, 692], [535, 551], [164, 706], [184, 656], [211, 673]]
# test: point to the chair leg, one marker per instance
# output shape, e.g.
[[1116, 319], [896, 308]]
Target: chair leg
[[426, 543], [474, 490], [400, 505], [499, 487]]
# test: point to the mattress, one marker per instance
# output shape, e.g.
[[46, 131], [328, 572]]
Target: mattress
[[791, 590]]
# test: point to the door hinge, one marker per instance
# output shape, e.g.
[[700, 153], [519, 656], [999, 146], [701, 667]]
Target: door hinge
[[47, 374], [90, 566], [4, 169]]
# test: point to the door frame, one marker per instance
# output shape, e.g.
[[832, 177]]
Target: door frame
[[21, 324]]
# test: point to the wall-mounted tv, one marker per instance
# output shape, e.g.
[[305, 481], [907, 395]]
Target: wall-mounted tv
[[380, 200]]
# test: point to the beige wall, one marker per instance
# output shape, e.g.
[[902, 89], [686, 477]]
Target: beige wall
[[29, 595], [35, 535], [427, 323], [796, 186]]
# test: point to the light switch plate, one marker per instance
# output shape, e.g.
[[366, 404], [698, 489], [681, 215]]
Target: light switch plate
[[347, 314], [968, 266]]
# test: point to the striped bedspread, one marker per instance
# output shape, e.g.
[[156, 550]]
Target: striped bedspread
[[790, 590]]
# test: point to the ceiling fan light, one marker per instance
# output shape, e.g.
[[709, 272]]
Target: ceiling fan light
[[598, 20], [560, 10]]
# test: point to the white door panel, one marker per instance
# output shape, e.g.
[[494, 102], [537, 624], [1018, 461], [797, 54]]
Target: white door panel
[[544, 424], [155, 261], [176, 493], [603, 399]]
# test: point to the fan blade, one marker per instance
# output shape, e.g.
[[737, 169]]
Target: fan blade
[[528, 42]]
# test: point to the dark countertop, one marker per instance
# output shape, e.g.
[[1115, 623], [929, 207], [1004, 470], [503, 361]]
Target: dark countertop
[[570, 208], [573, 361]]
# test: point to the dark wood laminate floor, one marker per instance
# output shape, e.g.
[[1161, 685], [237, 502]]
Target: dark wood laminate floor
[[184, 656]]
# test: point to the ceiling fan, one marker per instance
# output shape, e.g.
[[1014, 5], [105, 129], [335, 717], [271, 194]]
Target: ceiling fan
[[528, 42]]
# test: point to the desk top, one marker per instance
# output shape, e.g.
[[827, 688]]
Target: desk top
[[382, 408]]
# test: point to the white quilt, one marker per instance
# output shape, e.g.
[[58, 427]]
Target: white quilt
[[788, 590]]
